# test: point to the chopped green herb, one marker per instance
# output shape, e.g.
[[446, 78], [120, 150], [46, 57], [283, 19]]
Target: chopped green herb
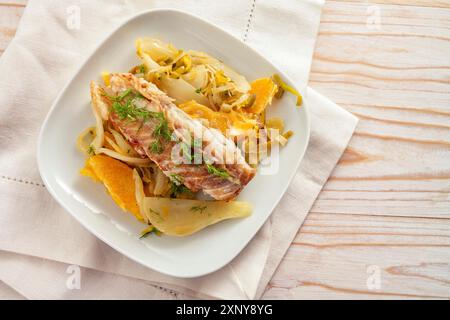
[[90, 150], [148, 231], [162, 130], [120, 97], [142, 68], [129, 110], [156, 147], [217, 171], [198, 209], [176, 179], [157, 115], [199, 90], [177, 189], [124, 94]]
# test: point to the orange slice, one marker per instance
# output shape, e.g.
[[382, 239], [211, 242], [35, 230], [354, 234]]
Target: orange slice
[[197, 110], [217, 119], [118, 180], [264, 89]]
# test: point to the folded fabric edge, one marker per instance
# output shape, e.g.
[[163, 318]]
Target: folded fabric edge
[[7, 292]]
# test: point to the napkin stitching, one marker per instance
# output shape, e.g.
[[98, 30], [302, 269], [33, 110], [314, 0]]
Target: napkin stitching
[[11, 179], [249, 21], [169, 291]]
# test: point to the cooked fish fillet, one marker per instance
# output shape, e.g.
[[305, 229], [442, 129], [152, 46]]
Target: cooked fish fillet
[[140, 133]]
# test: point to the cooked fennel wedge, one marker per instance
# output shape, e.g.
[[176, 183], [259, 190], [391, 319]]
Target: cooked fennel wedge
[[182, 217]]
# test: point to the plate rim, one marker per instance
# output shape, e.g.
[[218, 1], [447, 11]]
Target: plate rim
[[54, 194]]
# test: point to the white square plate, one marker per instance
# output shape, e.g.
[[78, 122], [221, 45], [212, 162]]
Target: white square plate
[[60, 162]]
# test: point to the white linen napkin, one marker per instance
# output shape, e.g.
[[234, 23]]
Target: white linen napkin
[[39, 239]]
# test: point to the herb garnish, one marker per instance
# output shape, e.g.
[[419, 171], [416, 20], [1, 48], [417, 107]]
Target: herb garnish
[[129, 110], [176, 178], [162, 129], [199, 90], [148, 231], [176, 185], [198, 209], [124, 105], [90, 150], [156, 147], [120, 97], [177, 189], [217, 171]]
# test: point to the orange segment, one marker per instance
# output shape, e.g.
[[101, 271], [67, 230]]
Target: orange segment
[[118, 180], [241, 120], [264, 89], [88, 172], [219, 122], [197, 110], [217, 119]]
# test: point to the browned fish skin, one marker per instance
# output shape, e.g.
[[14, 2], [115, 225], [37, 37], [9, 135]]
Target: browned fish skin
[[194, 176]]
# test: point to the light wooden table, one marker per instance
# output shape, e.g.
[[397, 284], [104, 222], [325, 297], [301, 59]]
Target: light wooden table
[[386, 208]]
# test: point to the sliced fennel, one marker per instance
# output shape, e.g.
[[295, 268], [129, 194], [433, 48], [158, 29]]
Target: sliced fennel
[[182, 217]]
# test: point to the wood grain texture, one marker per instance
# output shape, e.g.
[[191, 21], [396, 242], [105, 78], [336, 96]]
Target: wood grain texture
[[387, 203], [331, 255]]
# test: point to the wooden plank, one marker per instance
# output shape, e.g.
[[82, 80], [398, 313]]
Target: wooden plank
[[419, 204], [396, 167], [387, 78], [387, 67], [13, 3], [332, 253]]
